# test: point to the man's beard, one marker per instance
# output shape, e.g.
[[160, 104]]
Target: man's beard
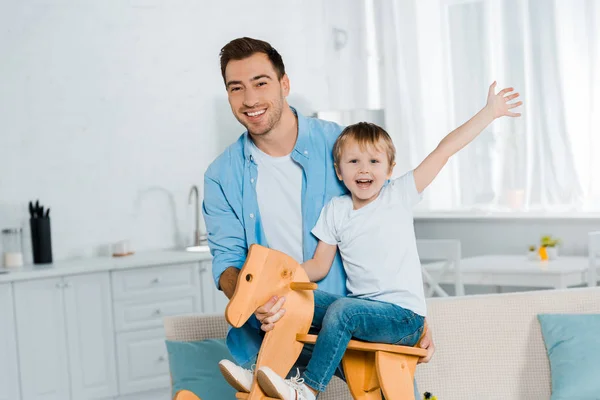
[[273, 117]]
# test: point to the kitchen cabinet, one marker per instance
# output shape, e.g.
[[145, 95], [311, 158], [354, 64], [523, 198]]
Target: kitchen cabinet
[[93, 329], [90, 329], [42, 339], [142, 298], [65, 338], [9, 365], [214, 301]]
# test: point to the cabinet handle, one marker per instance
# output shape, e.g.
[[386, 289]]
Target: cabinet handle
[[67, 285], [60, 285], [156, 280], [161, 359], [157, 311]]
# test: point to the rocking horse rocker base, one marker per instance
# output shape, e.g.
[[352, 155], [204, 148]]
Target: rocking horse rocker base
[[373, 368], [369, 368]]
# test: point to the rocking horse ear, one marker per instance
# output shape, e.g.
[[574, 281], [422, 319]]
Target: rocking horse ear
[[303, 286]]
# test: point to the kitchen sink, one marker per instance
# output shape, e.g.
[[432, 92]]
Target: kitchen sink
[[198, 249]]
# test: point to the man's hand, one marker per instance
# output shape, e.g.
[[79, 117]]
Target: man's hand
[[270, 313], [427, 343]]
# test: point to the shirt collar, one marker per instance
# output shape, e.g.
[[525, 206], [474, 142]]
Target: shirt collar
[[302, 146]]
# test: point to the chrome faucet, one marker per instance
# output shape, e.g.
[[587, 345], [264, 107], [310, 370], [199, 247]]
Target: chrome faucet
[[199, 238]]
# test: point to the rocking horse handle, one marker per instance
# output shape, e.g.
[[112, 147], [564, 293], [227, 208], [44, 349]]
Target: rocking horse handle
[[303, 286]]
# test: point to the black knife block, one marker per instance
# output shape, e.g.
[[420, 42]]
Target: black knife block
[[41, 241]]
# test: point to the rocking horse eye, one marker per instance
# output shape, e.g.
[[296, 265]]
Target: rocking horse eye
[[249, 278]]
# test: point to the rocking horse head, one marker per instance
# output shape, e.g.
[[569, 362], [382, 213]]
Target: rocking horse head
[[266, 273]]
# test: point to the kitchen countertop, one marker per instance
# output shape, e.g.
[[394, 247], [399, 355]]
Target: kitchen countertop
[[100, 264]]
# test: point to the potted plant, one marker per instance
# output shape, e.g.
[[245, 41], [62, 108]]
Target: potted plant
[[551, 245]]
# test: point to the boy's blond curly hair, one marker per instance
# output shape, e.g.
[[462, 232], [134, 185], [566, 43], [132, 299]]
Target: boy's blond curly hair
[[365, 134]]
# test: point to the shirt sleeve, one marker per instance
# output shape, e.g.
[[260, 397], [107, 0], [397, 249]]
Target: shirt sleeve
[[325, 229], [405, 191], [226, 235]]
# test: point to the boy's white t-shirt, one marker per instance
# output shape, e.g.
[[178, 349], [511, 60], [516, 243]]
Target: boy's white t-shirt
[[279, 197], [378, 245]]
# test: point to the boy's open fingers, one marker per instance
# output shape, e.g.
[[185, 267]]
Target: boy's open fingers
[[517, 104]]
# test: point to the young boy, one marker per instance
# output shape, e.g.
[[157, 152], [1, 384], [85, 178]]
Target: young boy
[[373, 230]]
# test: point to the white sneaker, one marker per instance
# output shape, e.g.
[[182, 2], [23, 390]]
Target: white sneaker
[[288, 389], [238, 377]]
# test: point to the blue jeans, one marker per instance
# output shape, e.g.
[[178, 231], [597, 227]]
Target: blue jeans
[[343, 318]]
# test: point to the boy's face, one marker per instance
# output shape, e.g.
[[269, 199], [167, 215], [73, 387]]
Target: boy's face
[[255, 94], [364, 171]]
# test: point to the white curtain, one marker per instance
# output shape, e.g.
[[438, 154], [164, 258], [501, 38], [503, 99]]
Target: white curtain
[[433, 61]]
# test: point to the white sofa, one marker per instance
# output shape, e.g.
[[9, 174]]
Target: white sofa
[[488, 346]]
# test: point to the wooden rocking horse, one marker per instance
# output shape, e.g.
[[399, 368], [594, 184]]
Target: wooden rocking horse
[[370, 368]]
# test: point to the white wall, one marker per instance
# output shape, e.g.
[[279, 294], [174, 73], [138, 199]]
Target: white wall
[[110, 110], [509, 235]]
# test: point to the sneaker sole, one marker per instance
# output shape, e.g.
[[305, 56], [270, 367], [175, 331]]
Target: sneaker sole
[[267, 386], [232, 381]]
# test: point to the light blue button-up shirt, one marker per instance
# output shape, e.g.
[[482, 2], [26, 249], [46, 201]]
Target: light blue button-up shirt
[[233, 219]]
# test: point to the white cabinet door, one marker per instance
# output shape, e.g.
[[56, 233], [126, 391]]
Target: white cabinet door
[[143, 361], [42, 339], [213, 300], [91, 345], [159, 394], [9, 365]]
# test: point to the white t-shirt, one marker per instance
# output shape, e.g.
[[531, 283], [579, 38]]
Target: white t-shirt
[[279, 196], [378, 245]]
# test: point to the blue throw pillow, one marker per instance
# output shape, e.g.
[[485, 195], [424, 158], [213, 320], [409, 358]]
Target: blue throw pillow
[[194, 367], [573, 345]]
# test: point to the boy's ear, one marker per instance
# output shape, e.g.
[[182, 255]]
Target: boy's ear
[[337, 171], [391, 169]]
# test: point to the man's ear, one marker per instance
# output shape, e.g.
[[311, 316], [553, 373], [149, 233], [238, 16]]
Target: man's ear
[[337, 171], [285, 85]]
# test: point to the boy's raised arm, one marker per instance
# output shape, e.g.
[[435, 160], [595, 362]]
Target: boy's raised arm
[[497, 106]]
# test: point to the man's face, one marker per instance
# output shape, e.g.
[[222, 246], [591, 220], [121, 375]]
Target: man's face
[[255, 94]]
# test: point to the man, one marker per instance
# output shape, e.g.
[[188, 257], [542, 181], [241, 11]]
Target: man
[[268, 188]]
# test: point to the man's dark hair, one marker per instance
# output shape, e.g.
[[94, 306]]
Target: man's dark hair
[[241, 48]]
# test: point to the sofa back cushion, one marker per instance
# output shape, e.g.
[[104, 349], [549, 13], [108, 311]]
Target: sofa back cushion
[[491, 346]]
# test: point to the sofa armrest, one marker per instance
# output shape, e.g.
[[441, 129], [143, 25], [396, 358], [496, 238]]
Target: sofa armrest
[[189, 328]]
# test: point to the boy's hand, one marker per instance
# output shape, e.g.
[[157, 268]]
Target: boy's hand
[[498, 104], [427, 343]]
